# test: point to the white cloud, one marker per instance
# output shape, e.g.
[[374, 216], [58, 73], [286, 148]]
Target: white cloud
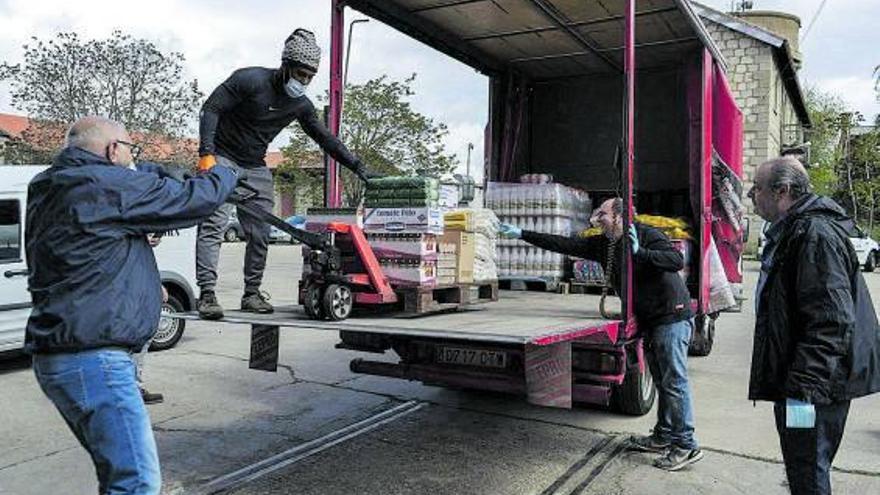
[[219, 37], [857, 92]]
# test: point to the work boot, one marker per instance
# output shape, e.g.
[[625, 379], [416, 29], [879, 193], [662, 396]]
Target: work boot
[[151, 398], [256, 302], [677, 458], [647, 443], [209, 308]]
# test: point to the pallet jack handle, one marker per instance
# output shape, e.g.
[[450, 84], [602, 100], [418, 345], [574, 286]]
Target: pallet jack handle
[[311, 239]]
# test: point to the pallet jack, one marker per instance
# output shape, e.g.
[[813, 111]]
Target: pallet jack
[[342, 268]]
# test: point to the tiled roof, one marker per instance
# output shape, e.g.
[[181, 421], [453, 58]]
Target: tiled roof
[[13, 125]]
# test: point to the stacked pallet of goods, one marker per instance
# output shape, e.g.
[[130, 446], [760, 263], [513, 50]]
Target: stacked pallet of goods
[[470, 236], [402, 222], [537, 204]]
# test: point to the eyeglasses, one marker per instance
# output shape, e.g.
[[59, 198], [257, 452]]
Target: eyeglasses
[[135, 149]]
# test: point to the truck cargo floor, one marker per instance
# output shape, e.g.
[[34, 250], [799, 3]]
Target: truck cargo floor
[[518, 317]]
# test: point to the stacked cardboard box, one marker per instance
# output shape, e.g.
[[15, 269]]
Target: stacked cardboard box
[[407, 259], [424, 220], [473, 231], [447, 263], [402, 221], [462, 245]]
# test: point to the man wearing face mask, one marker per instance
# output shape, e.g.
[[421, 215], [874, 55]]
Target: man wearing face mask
[[96, 292], [662, 310], [238, 121]]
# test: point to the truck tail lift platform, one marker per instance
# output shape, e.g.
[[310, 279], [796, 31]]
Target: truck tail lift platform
[[570, 83]]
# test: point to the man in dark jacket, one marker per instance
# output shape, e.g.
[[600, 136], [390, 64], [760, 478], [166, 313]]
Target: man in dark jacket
[[817, 341], [238, 121], [663, 312], [96, 291]]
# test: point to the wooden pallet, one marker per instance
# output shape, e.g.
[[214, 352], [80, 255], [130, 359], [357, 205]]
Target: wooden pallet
[[423, 300], [583, 288], [539, 284]]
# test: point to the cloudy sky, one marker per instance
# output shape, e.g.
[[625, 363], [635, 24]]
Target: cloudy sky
[[217, 37]]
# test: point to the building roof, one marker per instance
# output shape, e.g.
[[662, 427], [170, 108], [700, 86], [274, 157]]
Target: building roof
[[782, 55], [13, 125], [274, 158], [157, 147]]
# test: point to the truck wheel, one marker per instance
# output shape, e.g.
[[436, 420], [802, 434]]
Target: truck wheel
[[871, 262], [313, 302], [170, 329], [703, 337], [338, 302], [635, 396]]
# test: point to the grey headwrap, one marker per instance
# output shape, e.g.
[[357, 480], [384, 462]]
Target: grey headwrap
[[300, 49]]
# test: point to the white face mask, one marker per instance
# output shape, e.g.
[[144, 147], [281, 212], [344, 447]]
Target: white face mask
[[294, 88]]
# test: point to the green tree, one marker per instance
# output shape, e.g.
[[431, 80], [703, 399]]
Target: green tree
[[380, 126], [825, 151], [864, 157], [301, 174], [126, 79]]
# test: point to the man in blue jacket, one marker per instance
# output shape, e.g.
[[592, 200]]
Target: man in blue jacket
[[96, 290]]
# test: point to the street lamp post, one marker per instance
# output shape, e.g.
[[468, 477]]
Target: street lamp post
[[348, 49]]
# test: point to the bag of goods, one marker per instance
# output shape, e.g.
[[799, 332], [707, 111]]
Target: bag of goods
[[674, 228], [402, 191]]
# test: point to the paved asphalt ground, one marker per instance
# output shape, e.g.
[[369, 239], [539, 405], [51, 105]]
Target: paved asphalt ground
[[316, 428]]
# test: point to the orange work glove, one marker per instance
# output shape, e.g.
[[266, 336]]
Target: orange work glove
[[206, 163]]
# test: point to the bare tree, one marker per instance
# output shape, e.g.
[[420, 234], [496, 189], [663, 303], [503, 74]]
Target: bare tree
[[126, 79]]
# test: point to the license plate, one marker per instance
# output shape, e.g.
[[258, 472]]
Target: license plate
[[471, 357]]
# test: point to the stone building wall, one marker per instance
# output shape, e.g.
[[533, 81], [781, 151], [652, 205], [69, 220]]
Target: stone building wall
[[767, 111]]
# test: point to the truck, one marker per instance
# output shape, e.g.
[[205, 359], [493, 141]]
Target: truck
[[607, 98]]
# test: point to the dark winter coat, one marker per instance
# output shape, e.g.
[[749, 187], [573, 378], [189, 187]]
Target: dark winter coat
[[661, 295], [93, 278], [816, 333]]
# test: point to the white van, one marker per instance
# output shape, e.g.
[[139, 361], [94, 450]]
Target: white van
[[867, 249], [175, 256]]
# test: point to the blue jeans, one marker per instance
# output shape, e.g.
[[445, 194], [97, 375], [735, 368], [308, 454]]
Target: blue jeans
[[97, 395], [667, 351]]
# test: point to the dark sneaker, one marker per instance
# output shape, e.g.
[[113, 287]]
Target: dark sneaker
[[151, 398], [647, 443], [677, 458], [256, 303], [209, 308]]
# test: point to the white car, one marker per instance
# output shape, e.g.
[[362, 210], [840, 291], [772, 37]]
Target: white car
[[867, 249], [175, 257], [278, 235]]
